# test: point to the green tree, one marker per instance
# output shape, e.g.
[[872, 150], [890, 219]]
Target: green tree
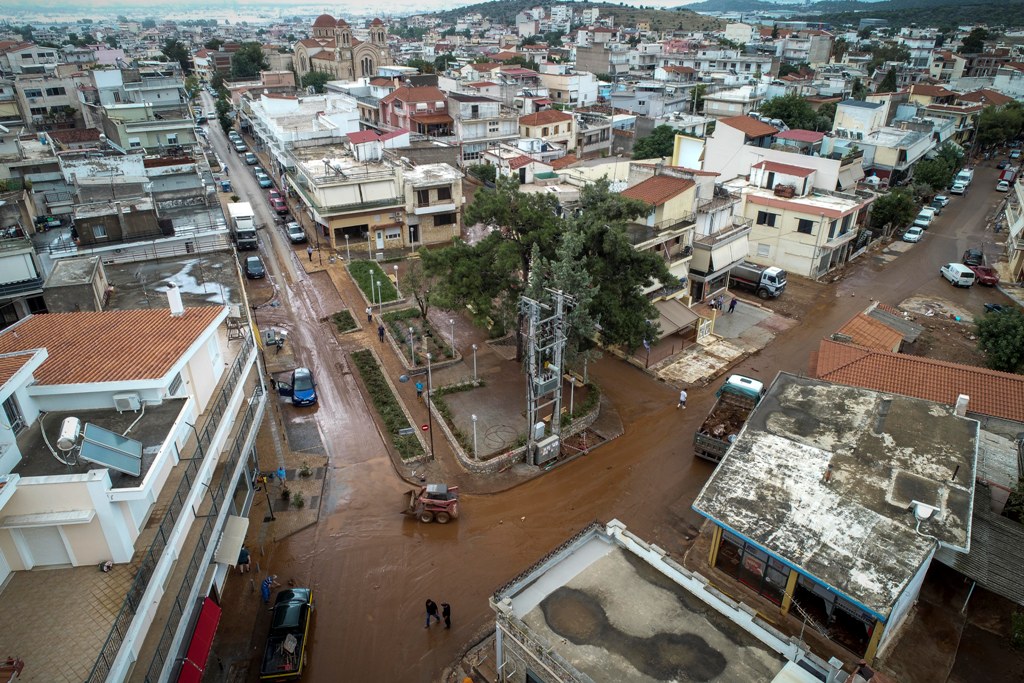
[[175, 51], [122, 19], [699, 91], [886, 52], [554, 38], [422, 65], [660, 143], [418, 283], [223, 108], [248, 61], [889, 83], [864, 33], [998, 126], [148, 23], [317, 79], [936, 173], [839, 49], [441, 62], [213, 44], [893, 210], [974, 42], [217, 82], [796, 112], [1001, 339], [858, 91], [484, 172], [524, 62], [788, 68], [191, 85], [111, 41]]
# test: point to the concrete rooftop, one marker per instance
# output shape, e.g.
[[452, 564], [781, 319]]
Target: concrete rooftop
[[857, 532], [618, 610]]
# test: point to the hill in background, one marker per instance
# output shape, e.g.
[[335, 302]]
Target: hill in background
[[505, 11]]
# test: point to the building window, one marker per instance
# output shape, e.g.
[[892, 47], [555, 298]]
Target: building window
[[805, 226], [444, 219], [766, 218], [175, 387], [172, 139], [422, 197], [99, 232], [753, 567], [544, 131], [444, 194], [33, 92], [832, 229], [53, 92], [847, 220], [393, 233], [12, 413], [764, 249], [38, 111]]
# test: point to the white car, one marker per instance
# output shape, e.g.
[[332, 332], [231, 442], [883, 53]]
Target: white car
[[958, 274], [958, 188], [913, 234], [1002, 186], [941, 199]]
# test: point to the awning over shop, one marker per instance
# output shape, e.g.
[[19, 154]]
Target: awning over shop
[[231, 540], [431, 119], [194, 665], [673, 316]]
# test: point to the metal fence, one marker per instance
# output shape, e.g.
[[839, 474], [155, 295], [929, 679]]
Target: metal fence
[[133, 599]]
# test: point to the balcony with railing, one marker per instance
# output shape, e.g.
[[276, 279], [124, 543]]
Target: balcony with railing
[[643, 236], [738, 228]]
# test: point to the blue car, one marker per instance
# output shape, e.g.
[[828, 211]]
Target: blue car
[[303, 388]]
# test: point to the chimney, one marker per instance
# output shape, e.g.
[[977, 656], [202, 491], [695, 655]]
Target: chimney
[[961, 405], [174, 300]]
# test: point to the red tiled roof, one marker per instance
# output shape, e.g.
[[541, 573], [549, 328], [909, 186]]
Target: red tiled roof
[[71, 135], [749, 126], [545, 117], [800, 135], [519, 162], [10, 364], [930, 90], [658, 189], [865, 331], [325, 21], [397, 132], [486, 66], [13, 46], [381, 81], [991, 393], [108, 346], [310, 42], [503, 56], [565, 162], [480, 84], [680, 70], [986, 96], [786, 169], [424, 93], [361, 136]]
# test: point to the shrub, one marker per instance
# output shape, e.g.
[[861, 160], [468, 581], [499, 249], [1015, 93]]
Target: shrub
[[298, 501], [386, 404], [343, 321]]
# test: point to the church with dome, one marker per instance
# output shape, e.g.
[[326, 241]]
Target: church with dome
[[333, 49]]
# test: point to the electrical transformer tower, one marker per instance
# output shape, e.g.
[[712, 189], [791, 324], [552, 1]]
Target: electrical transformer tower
[[545, 348]]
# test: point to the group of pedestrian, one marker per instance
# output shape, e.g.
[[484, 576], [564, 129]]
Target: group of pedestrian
[[719, 302], [446, 613]]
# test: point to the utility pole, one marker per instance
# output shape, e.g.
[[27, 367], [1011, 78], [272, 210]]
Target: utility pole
[[545, 347]]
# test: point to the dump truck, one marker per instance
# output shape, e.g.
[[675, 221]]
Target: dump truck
[[433, 502], [736, 400], [284, 656], [243, 225], [765, 281]]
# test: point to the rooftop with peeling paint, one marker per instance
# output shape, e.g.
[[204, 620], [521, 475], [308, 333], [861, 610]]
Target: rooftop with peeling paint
[[826, 478]]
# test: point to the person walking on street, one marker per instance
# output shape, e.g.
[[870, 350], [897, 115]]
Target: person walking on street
[[682, 399], [380, 332], [446, 612], [369, 314], [719, 302], [309, 251], [268, 585], [732, 304], [419, 389], [243, 560], [431, 612]]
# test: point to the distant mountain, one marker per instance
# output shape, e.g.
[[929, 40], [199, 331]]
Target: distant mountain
[[825, 7], [505, 11]]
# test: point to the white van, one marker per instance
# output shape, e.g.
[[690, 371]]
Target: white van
[[924, 219], [958, 274]]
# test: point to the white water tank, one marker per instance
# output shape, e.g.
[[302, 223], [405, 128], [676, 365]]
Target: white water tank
[[174, 300], [69, 431]]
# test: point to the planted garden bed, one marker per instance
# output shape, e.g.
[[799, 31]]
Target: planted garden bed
[[387, 405], [367, 272], [425, 339]]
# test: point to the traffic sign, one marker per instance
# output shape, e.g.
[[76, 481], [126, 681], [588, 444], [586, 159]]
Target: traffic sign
[[425, 428]]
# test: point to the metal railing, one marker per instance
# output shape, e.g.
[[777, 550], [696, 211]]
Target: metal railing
[[23, 287], [133, 600], [225, 488]]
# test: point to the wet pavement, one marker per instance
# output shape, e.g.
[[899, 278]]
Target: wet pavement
[[373, 568]]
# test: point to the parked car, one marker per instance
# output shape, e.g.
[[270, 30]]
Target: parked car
[[264, 180], [200, 119], [958, 188], [924, 218], [295, 232], [1002, 164], [958, 274], [250, 158], [973, 257], [935, 205], [1015, 154], [279, 205], [302, 388], [913, 234], [1002, 186], [241, 148], [254, 269], [274, 194], [941, 200], [984, 275], [998, 308]]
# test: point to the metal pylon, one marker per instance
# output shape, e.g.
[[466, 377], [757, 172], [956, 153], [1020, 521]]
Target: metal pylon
[[544, 352]]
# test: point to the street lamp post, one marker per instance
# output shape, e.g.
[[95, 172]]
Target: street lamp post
[[348, 254], [398, 292], [412, 351], [373, 293], [451, 321], [430, 415], [475, 452], [474, 362], [380, 297]]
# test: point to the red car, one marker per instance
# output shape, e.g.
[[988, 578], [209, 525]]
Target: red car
[[274, 194], [278, 205]]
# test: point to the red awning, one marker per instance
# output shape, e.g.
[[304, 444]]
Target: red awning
[[202, 640], [430, 119]]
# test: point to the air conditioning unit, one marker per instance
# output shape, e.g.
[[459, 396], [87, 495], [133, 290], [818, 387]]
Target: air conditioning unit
[[123, 402]]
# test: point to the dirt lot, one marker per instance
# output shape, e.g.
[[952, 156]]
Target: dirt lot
[[944, 337], [800, 296]]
